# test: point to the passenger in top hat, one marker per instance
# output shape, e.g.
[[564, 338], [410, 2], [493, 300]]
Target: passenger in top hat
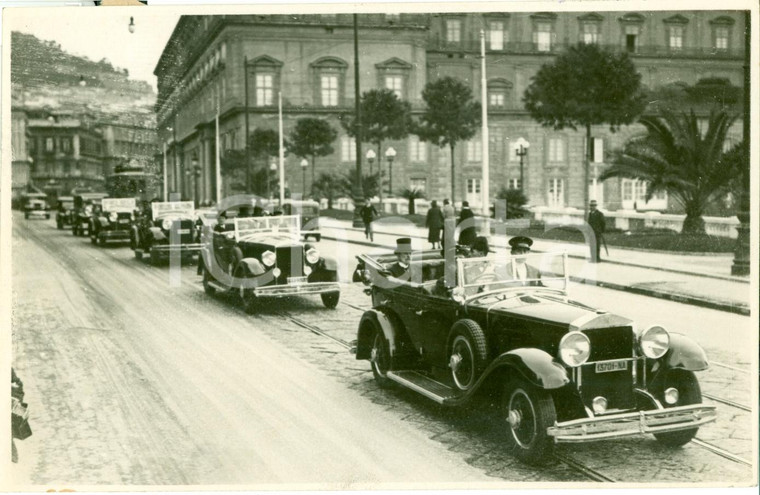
[[403, 256], [518, 269]]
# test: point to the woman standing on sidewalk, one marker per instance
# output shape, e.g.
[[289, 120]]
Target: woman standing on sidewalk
[[434, 223]]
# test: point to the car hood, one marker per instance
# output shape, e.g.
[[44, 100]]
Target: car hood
[[552, 308]]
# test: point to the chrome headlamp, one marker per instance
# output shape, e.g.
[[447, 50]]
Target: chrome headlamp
[[113, 216], [268, 258], [312, 256], [574, 349], [654, 342], [167, 224], [88, 210]]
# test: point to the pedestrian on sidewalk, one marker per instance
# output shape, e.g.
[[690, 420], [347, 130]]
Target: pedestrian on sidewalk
[[466, 223], [368, 214], [434, 223], [597, 224], [448, 210]]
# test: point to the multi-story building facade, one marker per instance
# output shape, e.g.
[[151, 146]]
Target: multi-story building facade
[[20, 162], [308, 59]]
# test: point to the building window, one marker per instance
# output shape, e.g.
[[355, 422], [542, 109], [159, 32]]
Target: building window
[[631, 39], [419, 184], [542, 36], [631, 28], [556, 150], [556, 192], [474, 150], [514, 184], [395, 84], [590, 33], [498, 91], [49, 146], [721, 32], [453, 30], [635, 190], [496, 99], [329, 90], [266, 77], [675, 37], [65, 145], [347, 149], [417, 149], [329, 81], [597, 150], [721, 38], [473, 186], [496, 35]]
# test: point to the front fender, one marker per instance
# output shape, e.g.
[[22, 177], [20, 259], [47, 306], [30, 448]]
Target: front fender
[[103, 222], [253, 266], [369, 319], [156, 234], [536, 366], [685, 354], [329, 264]]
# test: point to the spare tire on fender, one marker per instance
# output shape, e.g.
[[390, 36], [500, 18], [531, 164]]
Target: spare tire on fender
[[467, 353]]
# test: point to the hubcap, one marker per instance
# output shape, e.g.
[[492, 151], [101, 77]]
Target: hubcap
[[373, 355], [454, 362], [514, 417]]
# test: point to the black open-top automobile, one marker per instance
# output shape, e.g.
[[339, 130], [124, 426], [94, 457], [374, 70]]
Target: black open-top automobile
[[84, 205], [556, 370], [263, 257], [63, 211], [309, 213], [165, 228], [112, 221]]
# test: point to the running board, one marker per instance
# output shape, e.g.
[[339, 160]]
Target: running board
[[425, 385], [216, 285]]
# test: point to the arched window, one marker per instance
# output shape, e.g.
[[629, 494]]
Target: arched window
[[264, 75]]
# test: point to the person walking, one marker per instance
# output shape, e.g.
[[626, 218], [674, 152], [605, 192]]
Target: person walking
[[368, 213], [448, 210], [597, 224], [434, 223], [466, 223]]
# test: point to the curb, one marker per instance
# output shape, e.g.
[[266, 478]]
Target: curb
[[739, 309], [727, 278]]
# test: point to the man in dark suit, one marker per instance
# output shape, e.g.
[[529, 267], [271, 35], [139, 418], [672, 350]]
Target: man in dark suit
[[518, 269], [468, 232], [403, 255], [597, 224]]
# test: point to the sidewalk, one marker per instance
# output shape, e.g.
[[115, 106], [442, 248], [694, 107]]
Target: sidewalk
[[700, 280]]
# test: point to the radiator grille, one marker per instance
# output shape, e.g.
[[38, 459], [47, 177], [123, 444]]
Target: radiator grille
[[290, 262]]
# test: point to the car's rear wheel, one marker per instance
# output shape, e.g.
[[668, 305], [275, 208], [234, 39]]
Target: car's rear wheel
[[689, 393], [330, 299], [138, 253], [380, 358], [248, 299], [468, 353], [206, 285], [102, 240], [93, 239], [155, 258], [59, 224], [527, 412]]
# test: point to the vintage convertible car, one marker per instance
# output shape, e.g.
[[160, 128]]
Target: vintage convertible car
[[263, 257], [35, 205], [112, 221], [63, 212], [309, 213], [84, 204], [166, 228], [555, 369]]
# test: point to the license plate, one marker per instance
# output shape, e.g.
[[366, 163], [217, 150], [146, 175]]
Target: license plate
[[124, 220], [183, 231], [611, 366], [297, 280]]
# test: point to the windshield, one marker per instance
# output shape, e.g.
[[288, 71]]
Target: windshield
[[485, 274]]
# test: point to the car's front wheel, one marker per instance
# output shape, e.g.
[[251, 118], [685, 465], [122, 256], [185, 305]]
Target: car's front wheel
[[689, 393], [206, 285], [468, 353], [330, 299], [380, 358], [59, 224], [93, 239], [527, 412]]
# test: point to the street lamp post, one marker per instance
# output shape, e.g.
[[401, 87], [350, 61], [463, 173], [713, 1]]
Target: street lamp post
[[273, 168], [371, 159], [390, 154], [304, 166], [521, 150], [197, 175]]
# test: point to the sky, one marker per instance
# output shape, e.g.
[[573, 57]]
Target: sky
[[97, 34]]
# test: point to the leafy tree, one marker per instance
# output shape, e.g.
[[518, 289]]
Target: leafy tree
[[450, 116], [586, 86], [411, 194], [232, 165], [384, 117], [675, 157], [370, 182], [516, 202], [312, 138], [331, 186], [263, 144]]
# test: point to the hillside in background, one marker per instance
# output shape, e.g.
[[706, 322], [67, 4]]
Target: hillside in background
[[45, 76]]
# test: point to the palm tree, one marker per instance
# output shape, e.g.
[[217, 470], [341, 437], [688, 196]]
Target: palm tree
[[411, 194], [676, 157], [330, 186]]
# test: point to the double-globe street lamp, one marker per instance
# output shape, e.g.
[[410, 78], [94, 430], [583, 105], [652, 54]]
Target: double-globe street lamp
[[521, 151], [304, 166]]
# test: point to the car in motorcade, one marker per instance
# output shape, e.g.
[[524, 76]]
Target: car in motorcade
[[309, 213], [84, 205], [263, 257], [35, 205], [112, 221], [165, 228], [554, 369], [63, 211]]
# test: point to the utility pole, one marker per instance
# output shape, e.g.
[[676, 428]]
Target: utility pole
[[358, 189], [247, 152], [741, 264]]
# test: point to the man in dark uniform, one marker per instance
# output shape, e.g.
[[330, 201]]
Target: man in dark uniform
[[518, 269], [403, 255], [597, 224], [468, 232]]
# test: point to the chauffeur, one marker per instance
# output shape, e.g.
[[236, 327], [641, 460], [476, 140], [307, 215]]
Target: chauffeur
[[518, 268]]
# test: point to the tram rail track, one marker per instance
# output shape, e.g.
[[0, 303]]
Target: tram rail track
[[721, 452]]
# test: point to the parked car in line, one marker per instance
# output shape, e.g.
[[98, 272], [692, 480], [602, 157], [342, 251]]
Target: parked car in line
[[35, 205], [166, 227], [309, 213], [555, 369], [263, 257], [84, 205], [63, 211], [112, 221]]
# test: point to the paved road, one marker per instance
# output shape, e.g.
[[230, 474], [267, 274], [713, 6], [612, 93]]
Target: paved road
[[133, 381]]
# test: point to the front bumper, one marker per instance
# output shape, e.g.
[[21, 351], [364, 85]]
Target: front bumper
[[113, 235], [176, 248], [37, 213], [296, 289], [634, 423]]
